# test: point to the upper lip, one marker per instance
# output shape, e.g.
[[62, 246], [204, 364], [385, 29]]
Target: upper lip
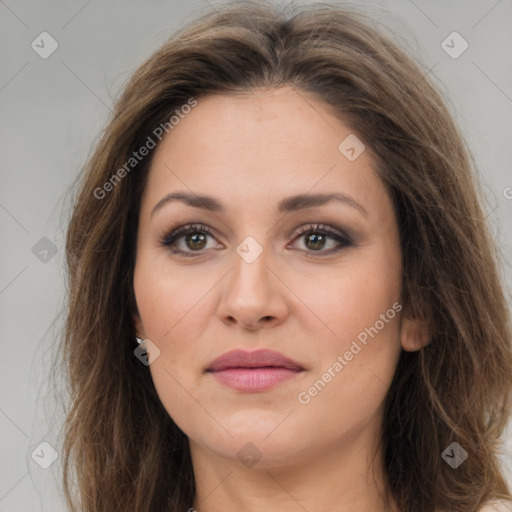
[[255, 359]]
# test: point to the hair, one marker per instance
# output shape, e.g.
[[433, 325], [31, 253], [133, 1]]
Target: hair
[[120, 445]]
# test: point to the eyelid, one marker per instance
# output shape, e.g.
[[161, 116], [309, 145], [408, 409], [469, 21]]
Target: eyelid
[[174, 233], [318, 226], [337, 234]]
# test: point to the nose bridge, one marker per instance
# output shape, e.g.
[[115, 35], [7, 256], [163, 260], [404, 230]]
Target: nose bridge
[[252, 292], [250, 281]]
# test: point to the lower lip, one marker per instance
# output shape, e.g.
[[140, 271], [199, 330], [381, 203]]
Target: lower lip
[[256, 379]]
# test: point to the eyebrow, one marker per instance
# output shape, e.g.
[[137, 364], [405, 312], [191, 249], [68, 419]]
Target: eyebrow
[[289, 204]]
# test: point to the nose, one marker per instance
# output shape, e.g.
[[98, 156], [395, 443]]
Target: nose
[[253, 295]]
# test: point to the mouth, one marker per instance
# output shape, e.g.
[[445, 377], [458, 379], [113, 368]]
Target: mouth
[[253, 371]]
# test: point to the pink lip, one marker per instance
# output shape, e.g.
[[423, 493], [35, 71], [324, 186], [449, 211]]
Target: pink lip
[[253, 371]]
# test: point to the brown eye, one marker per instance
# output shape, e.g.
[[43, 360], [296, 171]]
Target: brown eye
[[316, 238], [187, 240], [192, 240], [195, 241], [315, 241]]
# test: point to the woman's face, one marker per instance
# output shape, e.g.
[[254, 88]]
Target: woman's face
[[271, 264]]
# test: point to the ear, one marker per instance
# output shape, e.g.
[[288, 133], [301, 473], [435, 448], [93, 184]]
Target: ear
[[414, 334], [139, 328]]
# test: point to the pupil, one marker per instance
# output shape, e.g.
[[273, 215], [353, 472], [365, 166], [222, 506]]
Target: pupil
[[197, 238], [316, 239]]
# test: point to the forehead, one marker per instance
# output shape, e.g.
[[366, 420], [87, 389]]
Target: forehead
[[258, 147]]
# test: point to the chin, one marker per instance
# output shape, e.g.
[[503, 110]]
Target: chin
[[260, 453], [269, 443]]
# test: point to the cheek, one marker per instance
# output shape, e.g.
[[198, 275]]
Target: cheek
[[357, 371], [174, 308], [170, 301], [345, 300], [360, 310], [172, 323]]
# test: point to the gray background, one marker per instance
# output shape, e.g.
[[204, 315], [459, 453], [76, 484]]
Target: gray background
[[52, 112]]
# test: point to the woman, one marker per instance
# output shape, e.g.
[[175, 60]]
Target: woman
[[282, 291]]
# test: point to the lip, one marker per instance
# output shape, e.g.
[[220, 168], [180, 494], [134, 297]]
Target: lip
[[253, 371]]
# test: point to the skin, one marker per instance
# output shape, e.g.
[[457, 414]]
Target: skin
[[250, 151]]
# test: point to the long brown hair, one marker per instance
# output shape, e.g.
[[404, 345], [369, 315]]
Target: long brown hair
[[121, 448]]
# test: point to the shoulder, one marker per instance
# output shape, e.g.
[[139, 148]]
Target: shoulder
[[497, 506]]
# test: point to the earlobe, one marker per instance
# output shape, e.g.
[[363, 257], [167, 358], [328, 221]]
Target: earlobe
[[414, 334]]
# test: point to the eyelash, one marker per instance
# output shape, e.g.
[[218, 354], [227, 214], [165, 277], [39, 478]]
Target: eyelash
[[321, 229]]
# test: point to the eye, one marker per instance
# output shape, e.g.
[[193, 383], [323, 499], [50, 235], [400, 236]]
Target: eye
[[316, 236], [193, 238]]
